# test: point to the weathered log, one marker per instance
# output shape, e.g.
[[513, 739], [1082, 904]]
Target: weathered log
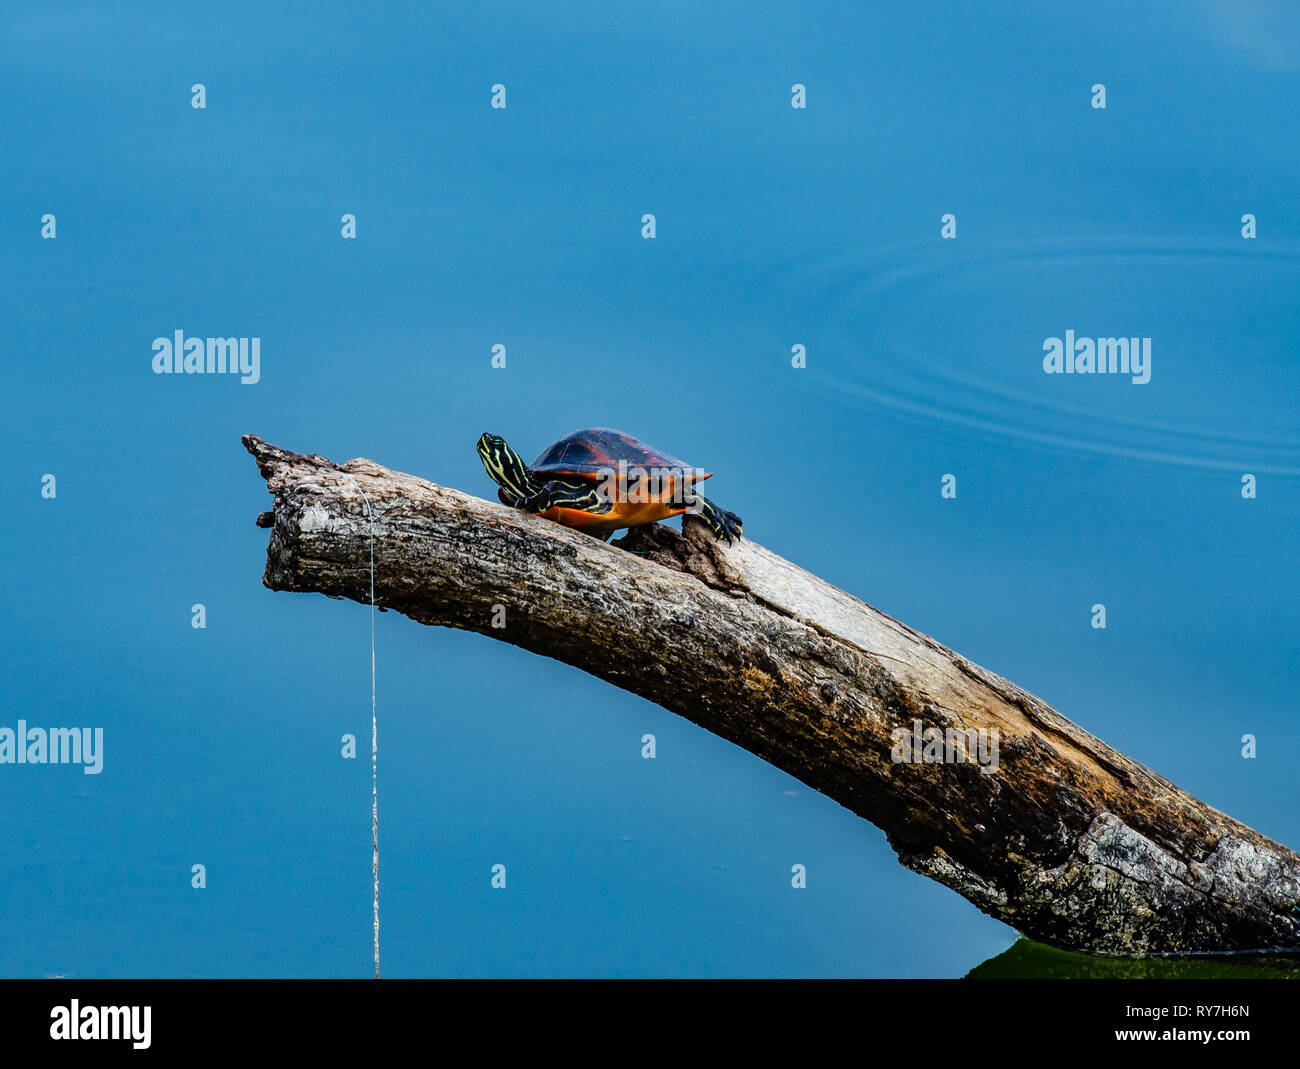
[[1055, 833]]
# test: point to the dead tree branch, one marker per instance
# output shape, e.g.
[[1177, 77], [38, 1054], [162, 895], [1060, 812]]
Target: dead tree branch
[[1069, 841]]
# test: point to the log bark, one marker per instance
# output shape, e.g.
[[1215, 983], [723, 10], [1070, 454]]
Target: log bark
[[1069, 841]]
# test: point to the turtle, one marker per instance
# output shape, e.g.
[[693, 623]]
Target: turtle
[[600, 480]]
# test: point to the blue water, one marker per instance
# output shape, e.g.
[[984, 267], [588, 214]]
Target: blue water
[[476, 226]]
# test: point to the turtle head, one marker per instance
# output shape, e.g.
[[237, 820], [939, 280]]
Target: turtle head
[[505, 466]]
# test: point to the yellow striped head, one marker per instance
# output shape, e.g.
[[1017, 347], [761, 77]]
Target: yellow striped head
[[505, 466]]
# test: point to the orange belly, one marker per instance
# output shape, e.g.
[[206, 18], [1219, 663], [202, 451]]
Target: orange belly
[[623, 514], [627, 511]]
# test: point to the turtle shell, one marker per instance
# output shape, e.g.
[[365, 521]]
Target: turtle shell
[[597, 449]]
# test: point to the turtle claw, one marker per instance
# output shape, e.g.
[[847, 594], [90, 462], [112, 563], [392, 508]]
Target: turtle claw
[[726, 526]]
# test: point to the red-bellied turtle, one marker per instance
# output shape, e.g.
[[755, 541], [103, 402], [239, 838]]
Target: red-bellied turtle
[[601, 480]]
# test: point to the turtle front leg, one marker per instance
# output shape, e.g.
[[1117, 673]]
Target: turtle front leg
[[585, 498], [725, 525]]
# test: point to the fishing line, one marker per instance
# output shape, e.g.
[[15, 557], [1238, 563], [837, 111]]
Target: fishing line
[[374, 727]]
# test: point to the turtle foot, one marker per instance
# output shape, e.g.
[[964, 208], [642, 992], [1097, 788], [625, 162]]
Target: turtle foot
[[726, 526]]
